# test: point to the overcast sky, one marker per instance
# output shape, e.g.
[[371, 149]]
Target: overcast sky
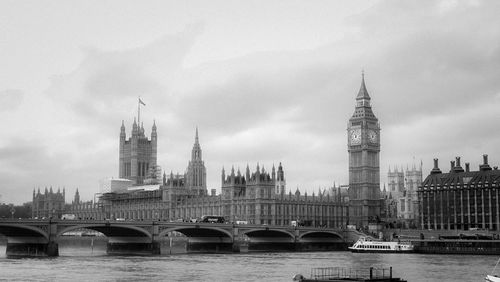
[[265, 81]]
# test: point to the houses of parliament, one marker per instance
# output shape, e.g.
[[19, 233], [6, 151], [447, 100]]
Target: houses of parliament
[[256, 195]]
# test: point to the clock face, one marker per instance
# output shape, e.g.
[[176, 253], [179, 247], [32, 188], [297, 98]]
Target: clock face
[[355, 136], [372, 136]]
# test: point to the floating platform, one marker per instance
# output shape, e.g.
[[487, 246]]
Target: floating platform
[[444, 245], [339, 274]]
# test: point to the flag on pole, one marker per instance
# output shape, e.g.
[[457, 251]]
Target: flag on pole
[[140, 101]]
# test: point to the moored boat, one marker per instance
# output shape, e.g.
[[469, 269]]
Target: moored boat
[[492, 277], [364, 245], [341, 274]]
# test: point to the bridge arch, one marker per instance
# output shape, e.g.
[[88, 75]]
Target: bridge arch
[[321, 234], [16, 230], [267, 232], [110, 230], [198, 231]]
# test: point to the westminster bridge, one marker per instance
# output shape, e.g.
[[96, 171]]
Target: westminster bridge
[[26, 237]]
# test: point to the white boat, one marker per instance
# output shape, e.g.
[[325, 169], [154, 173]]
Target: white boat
[[365, 245], [492, 277]]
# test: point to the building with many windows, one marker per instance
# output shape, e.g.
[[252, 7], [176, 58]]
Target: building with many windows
[[460, 199]]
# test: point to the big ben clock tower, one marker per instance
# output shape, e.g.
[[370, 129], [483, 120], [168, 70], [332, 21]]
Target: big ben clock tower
[[363, 134]]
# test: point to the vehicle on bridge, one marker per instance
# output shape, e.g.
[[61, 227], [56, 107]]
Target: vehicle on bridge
[[212, 219], [68, 216]]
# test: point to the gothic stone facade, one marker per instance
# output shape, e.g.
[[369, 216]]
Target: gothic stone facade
[[259, 198], [48, 204], [364, 168], [137, 155], [402, 193]]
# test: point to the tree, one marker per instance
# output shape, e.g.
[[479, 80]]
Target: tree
[[22, 211]]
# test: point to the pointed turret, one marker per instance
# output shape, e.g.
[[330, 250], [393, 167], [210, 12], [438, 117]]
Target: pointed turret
[[153, 130], [363, 93], [273, 173], [196, 152], [122, 130], [77, 197], [281, 173], [135, 129], [141, 130], [223, 176]]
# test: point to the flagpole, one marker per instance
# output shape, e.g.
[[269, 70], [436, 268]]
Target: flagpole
[[139, 111]]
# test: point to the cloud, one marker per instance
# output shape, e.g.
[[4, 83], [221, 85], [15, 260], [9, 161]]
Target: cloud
[[10, 99], [107, 82], [431, 69]]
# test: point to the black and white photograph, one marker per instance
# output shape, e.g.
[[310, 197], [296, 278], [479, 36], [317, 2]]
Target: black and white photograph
[[276, 140]]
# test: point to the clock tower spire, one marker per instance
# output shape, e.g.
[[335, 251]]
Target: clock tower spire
[[364, 157]]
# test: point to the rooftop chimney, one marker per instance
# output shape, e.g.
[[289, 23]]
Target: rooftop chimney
[[436, 169], [452, 165], [485, 166], [458, 168], [467, 167]]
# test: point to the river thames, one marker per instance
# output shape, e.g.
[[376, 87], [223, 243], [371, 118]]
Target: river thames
[[83, 264]]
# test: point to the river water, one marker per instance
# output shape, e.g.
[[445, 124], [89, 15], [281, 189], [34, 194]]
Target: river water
[[84, 264]]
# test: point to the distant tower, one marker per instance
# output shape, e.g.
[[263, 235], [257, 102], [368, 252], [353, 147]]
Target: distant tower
[[280, 181], [137, 154], [413, 179], [396, 182], [77, 197], [364, 168], [196, 175]]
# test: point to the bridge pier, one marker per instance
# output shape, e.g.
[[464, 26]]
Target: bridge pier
[[31, 248], [132, 246], [210, 245]]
